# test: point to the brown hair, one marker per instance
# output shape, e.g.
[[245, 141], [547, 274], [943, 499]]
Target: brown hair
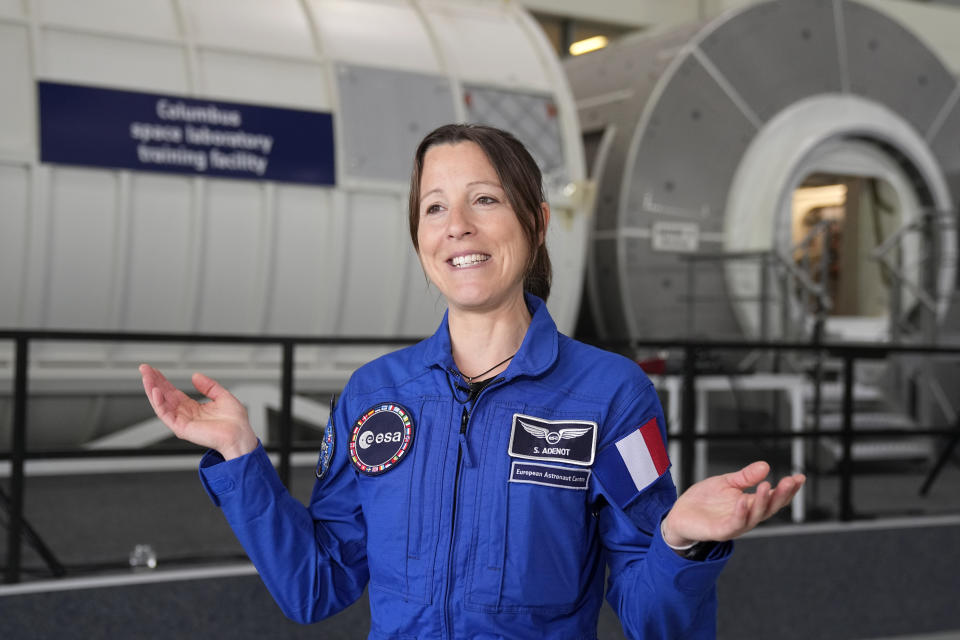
[[520, 178]]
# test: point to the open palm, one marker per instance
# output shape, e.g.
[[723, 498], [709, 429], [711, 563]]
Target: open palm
[[219, 424], [718, 508]]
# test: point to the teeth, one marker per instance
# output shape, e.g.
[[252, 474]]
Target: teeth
[[468, 260]]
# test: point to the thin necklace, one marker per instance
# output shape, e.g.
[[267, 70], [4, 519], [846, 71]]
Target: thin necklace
[[472, 378]]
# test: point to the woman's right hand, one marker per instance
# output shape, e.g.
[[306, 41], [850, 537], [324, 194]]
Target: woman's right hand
[[220, 424]]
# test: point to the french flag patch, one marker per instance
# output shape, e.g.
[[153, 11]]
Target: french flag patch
[[633, 463]]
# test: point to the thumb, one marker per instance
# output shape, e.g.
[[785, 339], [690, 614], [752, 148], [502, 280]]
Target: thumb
[[208, 386], [750, 475]]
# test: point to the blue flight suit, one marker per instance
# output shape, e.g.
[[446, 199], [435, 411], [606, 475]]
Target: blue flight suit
[[497, 516]]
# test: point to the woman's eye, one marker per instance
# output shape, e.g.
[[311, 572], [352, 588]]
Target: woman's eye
[[434, 208], [486, 200]]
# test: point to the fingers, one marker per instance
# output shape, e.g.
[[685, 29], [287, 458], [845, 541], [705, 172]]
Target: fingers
[[761, 503], [741, 512], [208, 386], [152, 381], [749, 475], [786, 489], [166, 400], [772, 500]]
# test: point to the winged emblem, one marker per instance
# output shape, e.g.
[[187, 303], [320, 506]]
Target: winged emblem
[[553, 437]]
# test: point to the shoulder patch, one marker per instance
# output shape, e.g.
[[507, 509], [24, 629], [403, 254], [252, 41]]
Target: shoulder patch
[[634, 462], [571, 441], [327, 447], [381, 438]]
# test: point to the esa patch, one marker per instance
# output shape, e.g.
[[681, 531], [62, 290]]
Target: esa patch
[[327, 447], [571, 441], [381, 438], [549, 475]]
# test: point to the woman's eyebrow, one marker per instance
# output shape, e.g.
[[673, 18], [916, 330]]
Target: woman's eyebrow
[[469, 184], [428, 193], [486, 182]]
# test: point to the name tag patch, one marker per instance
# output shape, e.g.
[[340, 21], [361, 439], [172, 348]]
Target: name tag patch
[[572, 441], [549, 475]]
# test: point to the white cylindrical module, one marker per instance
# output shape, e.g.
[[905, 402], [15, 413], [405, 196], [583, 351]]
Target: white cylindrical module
[[92, 248], [699, 137]]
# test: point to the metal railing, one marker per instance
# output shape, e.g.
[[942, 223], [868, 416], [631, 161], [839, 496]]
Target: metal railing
[[18, 453], [692, 352]]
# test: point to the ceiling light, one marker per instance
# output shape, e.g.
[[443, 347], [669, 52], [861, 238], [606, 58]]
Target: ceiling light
[[586, 46]]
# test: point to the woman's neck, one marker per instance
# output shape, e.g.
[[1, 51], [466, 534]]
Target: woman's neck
[[480, 340]]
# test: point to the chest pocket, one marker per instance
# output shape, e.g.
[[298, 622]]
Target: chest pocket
[[399, 509], [534, 545]]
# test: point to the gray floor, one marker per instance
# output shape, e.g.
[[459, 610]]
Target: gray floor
[[951, 635], [787, 582], [93, 521]]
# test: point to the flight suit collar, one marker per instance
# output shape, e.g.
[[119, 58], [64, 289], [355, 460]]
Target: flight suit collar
[[537, 353]]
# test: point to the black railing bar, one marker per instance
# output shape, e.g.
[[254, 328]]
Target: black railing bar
[[117, 336], [286, 413], [18, 449], [688, 412], [861, 349], [60, 454], [717, 256], [846, 440], [823, 435], [857, 349], [705, 299]]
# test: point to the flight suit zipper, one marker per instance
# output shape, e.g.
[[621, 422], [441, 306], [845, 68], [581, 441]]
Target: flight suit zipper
[[462, 452], [461, 446]]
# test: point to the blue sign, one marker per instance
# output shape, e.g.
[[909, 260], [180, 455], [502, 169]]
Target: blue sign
[[96, 127]]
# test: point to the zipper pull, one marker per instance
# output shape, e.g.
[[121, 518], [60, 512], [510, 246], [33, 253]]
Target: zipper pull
[[464, 419]]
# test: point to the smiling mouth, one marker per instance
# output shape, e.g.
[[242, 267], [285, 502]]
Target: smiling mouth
[[469, 260]]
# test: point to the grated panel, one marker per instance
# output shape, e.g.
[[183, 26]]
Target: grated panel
[[531, 117], [384, 114]]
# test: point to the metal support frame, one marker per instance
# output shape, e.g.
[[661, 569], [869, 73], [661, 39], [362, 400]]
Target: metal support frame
[[688, 417], [286, 413], [942, 459], [18, 449], [846, 439]]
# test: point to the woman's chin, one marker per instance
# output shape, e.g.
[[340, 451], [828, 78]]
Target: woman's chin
[[483, 300]]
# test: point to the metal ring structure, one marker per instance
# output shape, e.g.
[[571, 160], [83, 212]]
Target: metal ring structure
[[703, 132]]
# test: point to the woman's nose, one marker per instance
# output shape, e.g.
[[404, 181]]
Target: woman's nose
[[459, 223]]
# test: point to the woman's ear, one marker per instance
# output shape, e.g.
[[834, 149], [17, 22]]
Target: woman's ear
[[545, 213]]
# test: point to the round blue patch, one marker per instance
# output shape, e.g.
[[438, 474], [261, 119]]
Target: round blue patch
[[381, 438]]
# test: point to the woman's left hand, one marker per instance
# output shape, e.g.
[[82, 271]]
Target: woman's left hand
[[718, 508]]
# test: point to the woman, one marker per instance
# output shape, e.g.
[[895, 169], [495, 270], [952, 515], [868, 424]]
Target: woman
[[481, 480]]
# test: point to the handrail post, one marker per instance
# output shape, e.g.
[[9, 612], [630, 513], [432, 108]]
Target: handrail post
[[813, 445], [688, 412], [764, 299], [286, 412], [846, 438], [18, 450], [691, 286]]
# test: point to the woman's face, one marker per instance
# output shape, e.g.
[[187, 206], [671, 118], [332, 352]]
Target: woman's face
[[472, 246]]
